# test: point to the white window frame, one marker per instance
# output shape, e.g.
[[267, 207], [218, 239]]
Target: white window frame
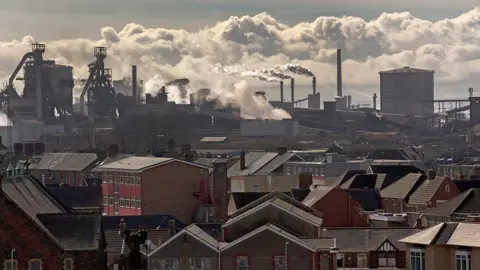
[[67, 261], [6, 265], [362, 257], [35, 261], [421, 251], [199, 263], [170, 264], [340, 257], [463, 255], [255, 188], [280, 262]]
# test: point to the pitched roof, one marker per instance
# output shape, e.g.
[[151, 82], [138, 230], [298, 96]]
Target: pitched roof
[[448, 233], [424, 237], [63, 161], [242, 199], [137, 163], [464, 185], [281, 205], [402, 188], [270, 228], [78, 197], [74, 231], [393, 172], [367, 239], [300, 194], [261, 163], [424, 193], [348, 174], [195, 232], [361, 181], [369, 199], [467, 202], [274, 195], [316, 195]]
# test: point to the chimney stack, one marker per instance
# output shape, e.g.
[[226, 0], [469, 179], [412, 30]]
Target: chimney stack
[[375, 102], [292, 88], [314, 85], [281, 91], [339, 73], [112, 150], [172, 228], [134, 85], [281, 150], [242, 160]]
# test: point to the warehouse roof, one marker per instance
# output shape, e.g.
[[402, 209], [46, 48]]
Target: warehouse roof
[[63, 161]]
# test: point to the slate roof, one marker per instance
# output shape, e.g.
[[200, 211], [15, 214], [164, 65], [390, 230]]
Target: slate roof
[[148, 222], [78, 197], [63, 161], [242, 199], [392, 173], [74, 231], [367, 239], [466, 203], [346, 176], [464, 185], [361, 181], [261, 163], [424, 193], [116, 247], [402, 188], [369, 199], [300, 194]]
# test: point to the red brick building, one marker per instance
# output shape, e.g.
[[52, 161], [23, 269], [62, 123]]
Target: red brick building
[[38, 232], [339, 209], [151, 185]]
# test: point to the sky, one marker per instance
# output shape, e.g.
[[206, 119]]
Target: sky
[[196, 38], [54, 19]]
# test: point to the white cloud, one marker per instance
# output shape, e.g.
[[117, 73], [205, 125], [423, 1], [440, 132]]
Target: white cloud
[[392, 40]]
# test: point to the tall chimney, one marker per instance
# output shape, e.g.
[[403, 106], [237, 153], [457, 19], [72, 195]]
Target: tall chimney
[[339, 73], [281, 91], [134, 85], [292, 88], [375, 102], [242, 160], [314, 85]]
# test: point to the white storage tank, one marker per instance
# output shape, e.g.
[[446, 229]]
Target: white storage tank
[[264, 128]]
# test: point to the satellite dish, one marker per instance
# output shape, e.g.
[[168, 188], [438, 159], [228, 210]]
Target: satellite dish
[[476, 130]]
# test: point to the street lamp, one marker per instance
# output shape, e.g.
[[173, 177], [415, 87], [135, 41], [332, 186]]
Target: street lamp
[[11, 259], [286, 255]]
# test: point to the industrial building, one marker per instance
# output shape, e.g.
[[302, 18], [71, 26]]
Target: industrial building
[[407, 91]]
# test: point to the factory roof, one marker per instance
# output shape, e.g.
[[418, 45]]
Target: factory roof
[[63, 161], [405, 70], [135, 163]]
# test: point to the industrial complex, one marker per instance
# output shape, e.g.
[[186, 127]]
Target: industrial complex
[[119, 112]]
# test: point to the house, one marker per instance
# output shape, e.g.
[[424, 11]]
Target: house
[[265, 234], [346, 213], [445, 246], [262, 163], [39, 232], [463, 205], [144, 186], [417, 192], [269, 183], [83, 199], [69, 168]]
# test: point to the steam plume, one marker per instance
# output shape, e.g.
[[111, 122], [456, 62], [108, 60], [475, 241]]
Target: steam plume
[[296, 69]]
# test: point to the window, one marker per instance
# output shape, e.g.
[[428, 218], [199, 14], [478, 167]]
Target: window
[[127, 203], [105, 200], [255, 188], [170, 264], [122, 202], [242, 263], [463, 260], [110, 178], [139, 204], [110, 201], [138, 180], [447, 188], [68, 264], [132, 203], [104, 178], [11, 264], [340, 262], [417, 259], [387, 259], [35, 264], [199, 263], [279, 262], [361, 260]]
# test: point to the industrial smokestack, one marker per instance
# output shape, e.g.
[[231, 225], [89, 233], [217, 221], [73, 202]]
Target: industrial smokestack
[[134, 85], [292, 88], [339, 73], [314, 85], [281, 91], [375, 102]]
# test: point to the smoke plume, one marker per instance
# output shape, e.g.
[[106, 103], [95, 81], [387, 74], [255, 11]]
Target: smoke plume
[[296, 69], [393, 40]]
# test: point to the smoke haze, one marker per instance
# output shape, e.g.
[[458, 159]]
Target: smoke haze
[[393, 40]]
